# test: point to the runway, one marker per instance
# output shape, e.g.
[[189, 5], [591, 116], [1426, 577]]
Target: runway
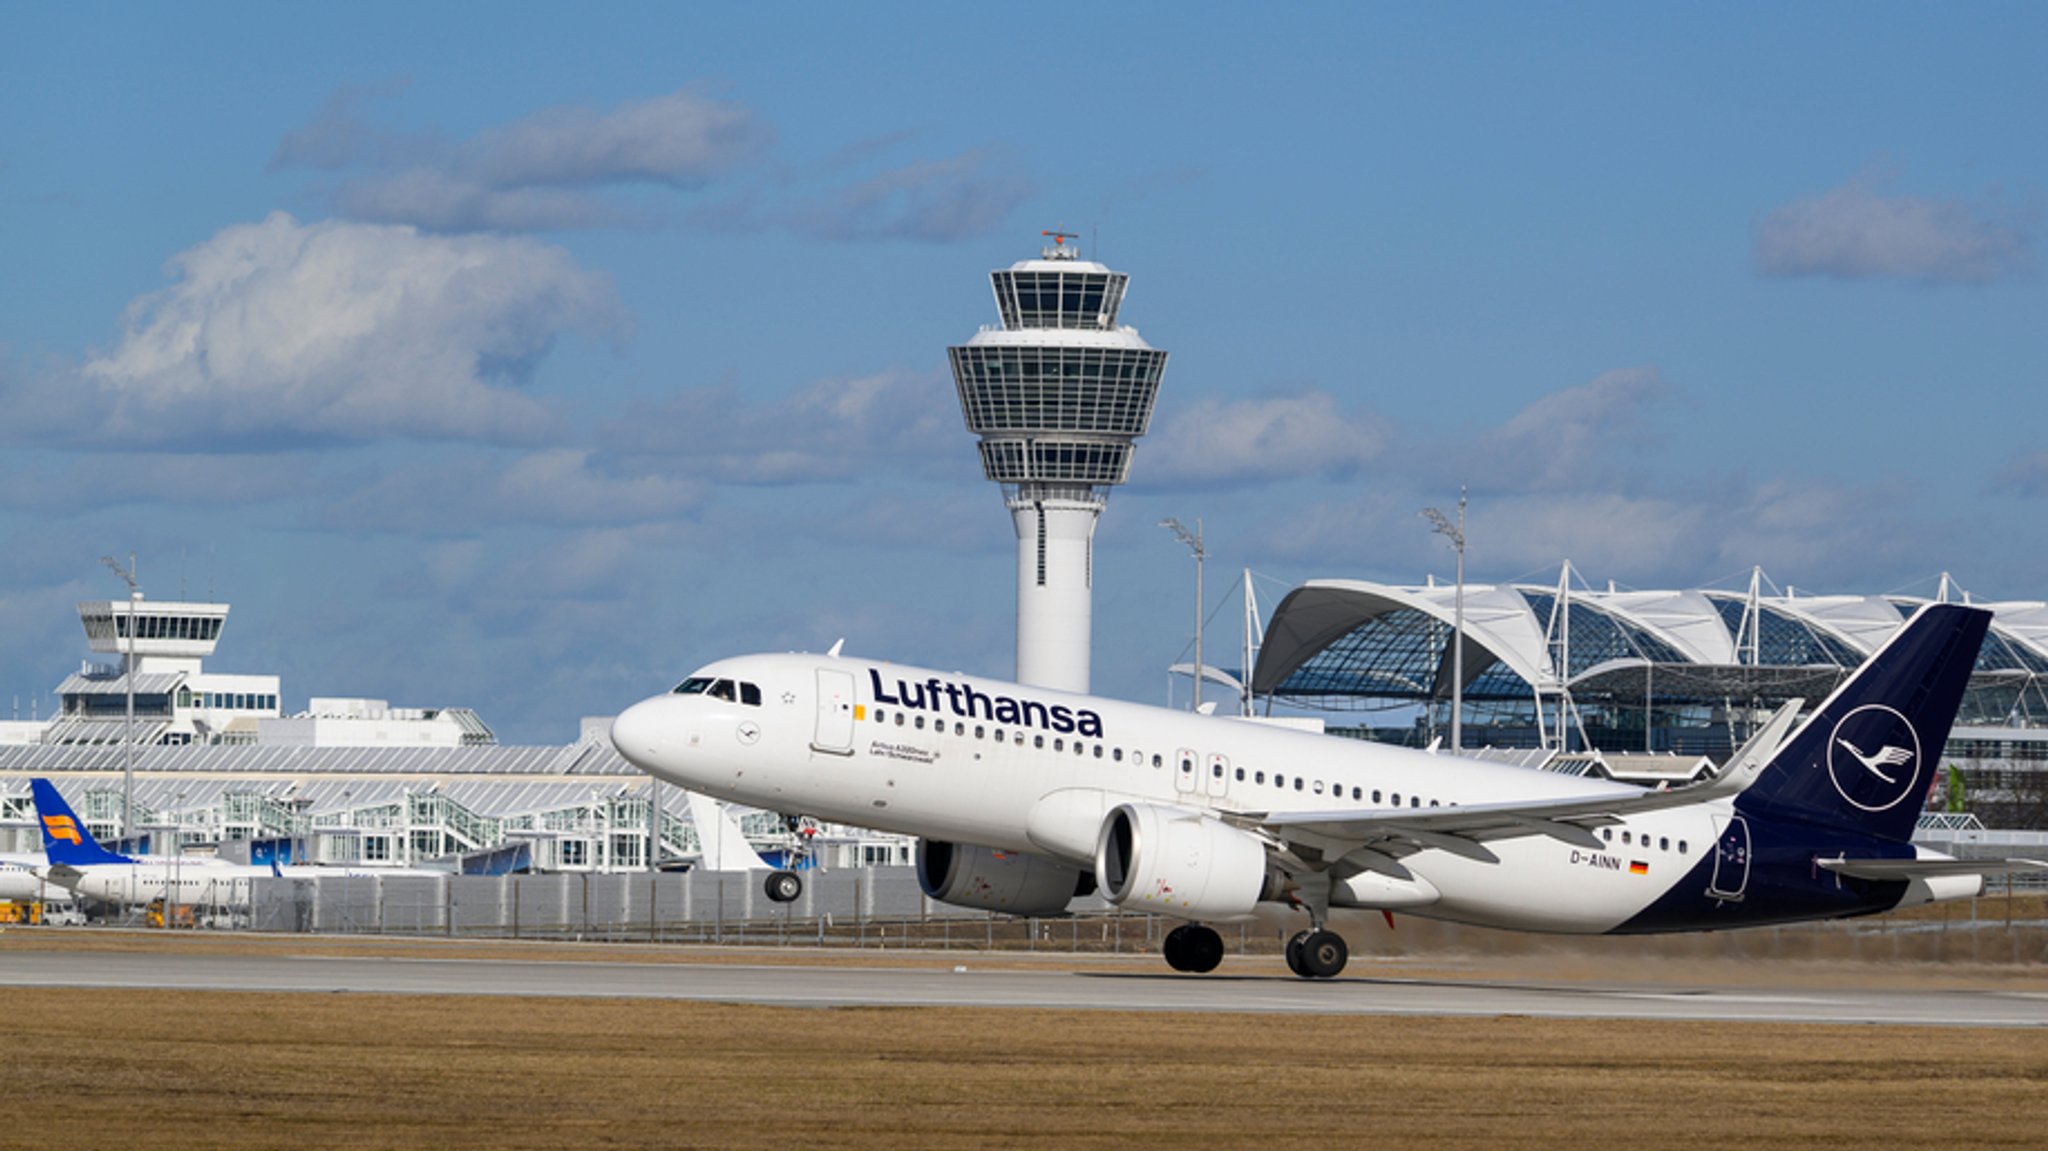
[[967, 984]]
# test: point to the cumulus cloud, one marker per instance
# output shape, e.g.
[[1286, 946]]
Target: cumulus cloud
[[1856, 232], [541, 172], [338, 331], [1218, 441], [833, 429]]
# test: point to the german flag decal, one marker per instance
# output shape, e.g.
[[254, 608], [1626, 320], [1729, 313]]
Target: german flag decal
[[1638, 867]]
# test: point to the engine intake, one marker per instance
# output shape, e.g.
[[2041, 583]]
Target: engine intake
[[989, 880], [1179, 862]]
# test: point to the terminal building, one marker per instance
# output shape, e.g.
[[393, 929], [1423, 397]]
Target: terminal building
[[1648, 685], [216, 766]]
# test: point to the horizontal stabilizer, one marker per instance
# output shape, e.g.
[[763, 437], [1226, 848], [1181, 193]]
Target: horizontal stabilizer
[[1895, 870]]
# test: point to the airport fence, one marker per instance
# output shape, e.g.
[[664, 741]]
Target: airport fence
[[884, 907]]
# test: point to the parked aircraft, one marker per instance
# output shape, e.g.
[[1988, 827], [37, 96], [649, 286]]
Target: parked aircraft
[[79, 863], [1024, 797]]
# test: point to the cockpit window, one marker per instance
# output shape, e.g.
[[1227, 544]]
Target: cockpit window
[[725, 689]]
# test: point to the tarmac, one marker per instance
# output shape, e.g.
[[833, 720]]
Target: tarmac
[[968, 983]]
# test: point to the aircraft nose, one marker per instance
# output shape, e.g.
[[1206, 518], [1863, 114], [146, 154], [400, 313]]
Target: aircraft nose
[[637, 731]]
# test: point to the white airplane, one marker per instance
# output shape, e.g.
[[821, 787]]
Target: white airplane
[[1023, 798], [77, 862]]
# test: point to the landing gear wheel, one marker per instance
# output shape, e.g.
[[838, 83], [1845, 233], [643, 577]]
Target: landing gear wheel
[[1193, 948], [1323, 955], [1294, 945], [784, 886]]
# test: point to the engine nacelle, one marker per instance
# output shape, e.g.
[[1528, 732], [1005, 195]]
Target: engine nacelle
[[1179, 862], [989, 880]]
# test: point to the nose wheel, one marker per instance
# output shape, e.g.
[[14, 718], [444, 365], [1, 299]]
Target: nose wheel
[[1193, 948], [1317, 954], [783, 886]]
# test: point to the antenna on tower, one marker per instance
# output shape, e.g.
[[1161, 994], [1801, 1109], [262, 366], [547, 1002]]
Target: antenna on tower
[[1059, 250]]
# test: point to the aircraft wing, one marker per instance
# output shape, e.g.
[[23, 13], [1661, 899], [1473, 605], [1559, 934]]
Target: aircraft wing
[[63, 875], [1465, 829], [1898, 869]]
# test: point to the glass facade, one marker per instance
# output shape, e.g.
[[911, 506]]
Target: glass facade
[[1781, 640], [1015, 389], [1062, 299], [1055, 461], [1598, 637]]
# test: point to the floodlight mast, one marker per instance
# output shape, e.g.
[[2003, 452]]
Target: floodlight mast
[[1442, 525], [1194, 543], [128, 576]]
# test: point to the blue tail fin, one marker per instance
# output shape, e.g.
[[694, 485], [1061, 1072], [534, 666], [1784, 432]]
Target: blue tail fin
[[65, 838], [1865, 760]]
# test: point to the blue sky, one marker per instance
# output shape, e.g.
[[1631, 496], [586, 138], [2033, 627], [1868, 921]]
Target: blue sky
[[525, 358]]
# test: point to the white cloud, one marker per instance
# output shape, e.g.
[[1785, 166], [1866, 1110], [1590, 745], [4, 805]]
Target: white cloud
[[1216, 441], [340, 331], [538, 173], [563, 487], [1567, 437], [938, 201], [1853, 232], [833, 429]]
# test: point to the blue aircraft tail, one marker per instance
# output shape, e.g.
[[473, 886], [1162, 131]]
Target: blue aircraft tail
[[1866, 758], [65, 838]]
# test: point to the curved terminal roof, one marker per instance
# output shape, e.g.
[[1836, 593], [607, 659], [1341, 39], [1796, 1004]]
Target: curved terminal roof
[[1351, 639]]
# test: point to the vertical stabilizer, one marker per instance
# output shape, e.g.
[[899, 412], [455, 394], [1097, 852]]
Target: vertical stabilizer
[[65, 838], [1866, 759]]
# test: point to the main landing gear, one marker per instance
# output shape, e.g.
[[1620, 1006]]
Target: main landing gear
[[1317, 954], [1193, 948]]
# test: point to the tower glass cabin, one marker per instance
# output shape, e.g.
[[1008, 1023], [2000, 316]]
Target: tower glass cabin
[[1057, 394]]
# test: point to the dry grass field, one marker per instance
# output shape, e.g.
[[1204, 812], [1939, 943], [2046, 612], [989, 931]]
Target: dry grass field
[[92, 1069]]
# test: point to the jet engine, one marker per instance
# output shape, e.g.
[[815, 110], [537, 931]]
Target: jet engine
[[989, 880], [1179, 862]]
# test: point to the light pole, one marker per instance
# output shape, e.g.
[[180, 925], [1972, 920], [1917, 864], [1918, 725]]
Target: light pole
[[1443, 526], [1194, 543], [127, 575]]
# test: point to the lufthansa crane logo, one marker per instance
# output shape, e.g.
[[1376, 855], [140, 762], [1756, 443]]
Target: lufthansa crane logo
[[1874, 757]]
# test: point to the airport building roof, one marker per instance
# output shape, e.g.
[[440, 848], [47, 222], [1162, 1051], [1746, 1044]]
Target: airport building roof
[[1362, 645]]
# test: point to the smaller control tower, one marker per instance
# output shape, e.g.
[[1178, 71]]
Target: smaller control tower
[[1057, 395]]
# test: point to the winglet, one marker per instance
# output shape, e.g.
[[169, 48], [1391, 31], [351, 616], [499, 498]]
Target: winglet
[[834, 653]]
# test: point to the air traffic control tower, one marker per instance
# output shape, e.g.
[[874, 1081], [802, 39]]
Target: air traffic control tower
[[1057, 394]]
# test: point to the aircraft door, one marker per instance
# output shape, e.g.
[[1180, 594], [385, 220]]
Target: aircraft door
[[1186, 764], [835, 712], [1218, 778], [1731, 859]]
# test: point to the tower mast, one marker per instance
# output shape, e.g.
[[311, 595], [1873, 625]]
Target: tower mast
[[1057, 394]]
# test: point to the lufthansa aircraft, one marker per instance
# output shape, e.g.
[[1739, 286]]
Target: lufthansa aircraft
[[1023, 798]]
